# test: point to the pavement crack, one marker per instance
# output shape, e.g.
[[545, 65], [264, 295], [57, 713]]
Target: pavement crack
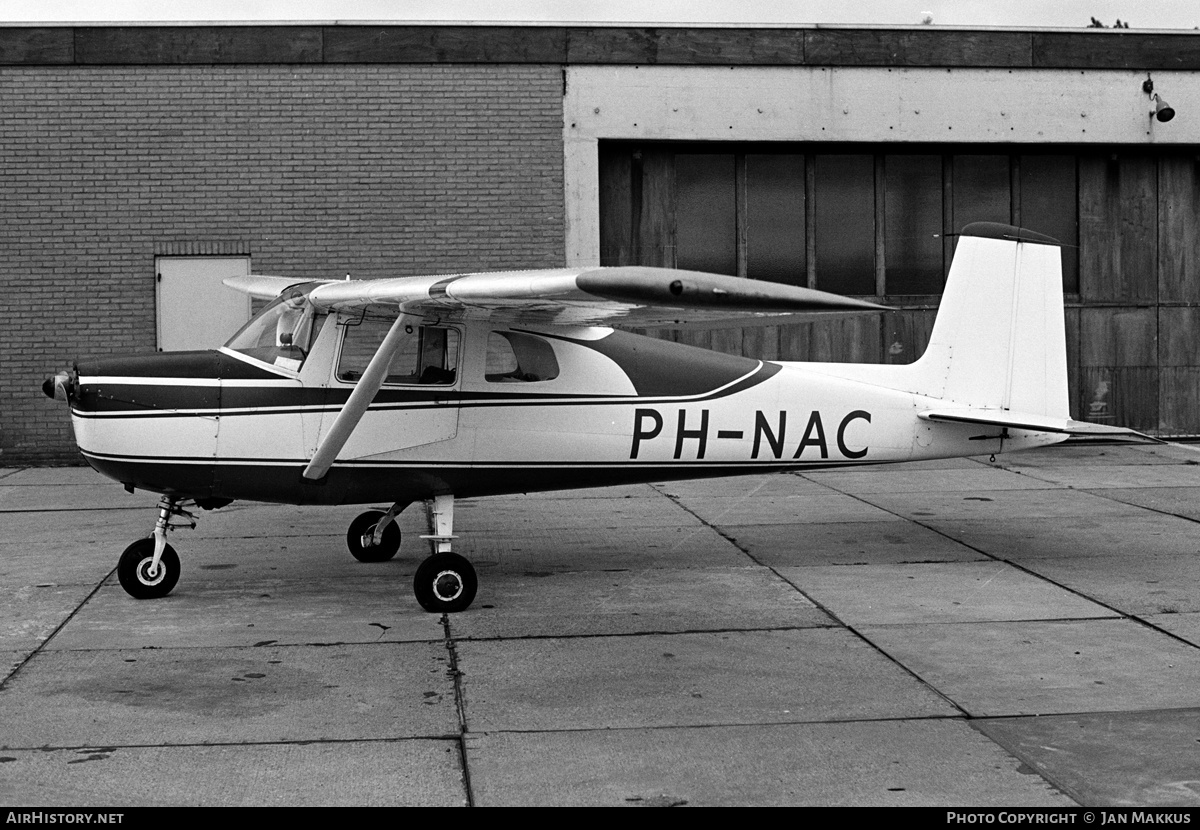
[[460, 706]]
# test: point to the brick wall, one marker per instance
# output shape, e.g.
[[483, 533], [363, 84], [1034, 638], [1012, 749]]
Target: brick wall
[[316, 171]]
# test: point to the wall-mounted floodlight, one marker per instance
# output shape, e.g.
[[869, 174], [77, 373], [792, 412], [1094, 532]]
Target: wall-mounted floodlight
[[1162, 111]]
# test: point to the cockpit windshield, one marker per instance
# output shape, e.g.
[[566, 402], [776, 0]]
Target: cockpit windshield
[[284, 331]]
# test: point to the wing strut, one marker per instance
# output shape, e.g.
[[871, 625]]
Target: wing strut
[[368, 385]]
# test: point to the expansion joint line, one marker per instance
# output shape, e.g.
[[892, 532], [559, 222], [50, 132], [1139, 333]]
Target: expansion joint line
[[460, 707], [827, 611], [4, 679], [1125, 615]]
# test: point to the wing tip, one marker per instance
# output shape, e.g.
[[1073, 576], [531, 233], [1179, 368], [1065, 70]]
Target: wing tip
[[259, 286]]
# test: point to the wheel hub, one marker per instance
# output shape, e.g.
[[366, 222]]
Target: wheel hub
[[447, 586], [150, 575]]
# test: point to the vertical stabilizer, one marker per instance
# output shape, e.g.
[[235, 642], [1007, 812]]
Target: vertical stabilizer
[[999, 341]]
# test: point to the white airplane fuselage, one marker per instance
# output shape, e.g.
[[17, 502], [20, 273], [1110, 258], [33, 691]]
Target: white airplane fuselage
[[222, 425]]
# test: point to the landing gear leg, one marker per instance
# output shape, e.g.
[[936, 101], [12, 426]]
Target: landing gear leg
[[149, 568], [445, 582]]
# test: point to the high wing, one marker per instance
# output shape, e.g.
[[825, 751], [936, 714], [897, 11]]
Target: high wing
[[626, 295]]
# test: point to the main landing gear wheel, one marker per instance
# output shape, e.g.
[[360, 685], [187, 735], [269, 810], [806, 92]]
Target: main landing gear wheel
[[360, 543], [445, 583], [133, 570]]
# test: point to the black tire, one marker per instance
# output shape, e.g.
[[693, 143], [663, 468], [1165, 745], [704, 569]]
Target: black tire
[[365, 525], [132, 570], [445, 583]]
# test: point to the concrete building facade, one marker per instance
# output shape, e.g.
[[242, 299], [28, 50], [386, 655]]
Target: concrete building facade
[[844, 159]]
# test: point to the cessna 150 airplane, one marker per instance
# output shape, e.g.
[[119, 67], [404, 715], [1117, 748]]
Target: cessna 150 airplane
[[442, 387]]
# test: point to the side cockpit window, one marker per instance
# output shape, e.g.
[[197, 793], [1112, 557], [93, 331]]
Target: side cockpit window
[[427, 354], [513, 357]]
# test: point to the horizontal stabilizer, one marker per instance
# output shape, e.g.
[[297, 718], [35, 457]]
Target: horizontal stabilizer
[[1032, 422]]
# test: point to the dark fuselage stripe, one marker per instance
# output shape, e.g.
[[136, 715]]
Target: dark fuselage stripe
[[153, 397]]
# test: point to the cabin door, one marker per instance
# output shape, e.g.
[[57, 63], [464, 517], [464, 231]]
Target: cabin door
[[416, 405]]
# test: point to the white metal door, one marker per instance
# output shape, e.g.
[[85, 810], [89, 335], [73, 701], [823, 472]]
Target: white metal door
[[195, 310]]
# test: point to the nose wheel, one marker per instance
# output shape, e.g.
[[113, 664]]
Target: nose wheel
[[149, 568], [141, 577]]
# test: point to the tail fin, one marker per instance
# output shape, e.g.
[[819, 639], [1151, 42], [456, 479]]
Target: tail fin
[[999, 341], [997, 355]]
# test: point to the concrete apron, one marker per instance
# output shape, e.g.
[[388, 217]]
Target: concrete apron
[[957, 633]]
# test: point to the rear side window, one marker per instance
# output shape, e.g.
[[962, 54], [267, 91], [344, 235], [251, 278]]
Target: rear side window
[[513, 357]]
